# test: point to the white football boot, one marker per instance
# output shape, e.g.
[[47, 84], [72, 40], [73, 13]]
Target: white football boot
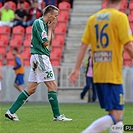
[[62, 118], [10, 116]]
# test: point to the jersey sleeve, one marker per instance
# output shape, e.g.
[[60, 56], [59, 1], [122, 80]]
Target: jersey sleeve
[[18, 62], [86, 35], [40, 31], [124, 31]]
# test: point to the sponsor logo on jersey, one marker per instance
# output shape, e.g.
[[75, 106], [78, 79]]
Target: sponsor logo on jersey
[[103, 56], [44, 34], [103, 16]]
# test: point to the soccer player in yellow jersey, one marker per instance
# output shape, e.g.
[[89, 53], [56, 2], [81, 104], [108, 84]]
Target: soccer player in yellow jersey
[[108, 32]]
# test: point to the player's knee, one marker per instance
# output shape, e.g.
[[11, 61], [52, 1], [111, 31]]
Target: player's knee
[[31, 90], [52, 86], [118, 115]]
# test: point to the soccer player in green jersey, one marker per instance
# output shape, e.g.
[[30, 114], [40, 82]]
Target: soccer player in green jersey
[[41, 69]]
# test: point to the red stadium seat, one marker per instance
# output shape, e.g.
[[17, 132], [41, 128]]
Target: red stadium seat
[[64, 5], [5, 29], [27, 43], [125, 1], [126, 55], [25, 55], [131, 12], [55, 62], [15, 43], [28, 32], [123, 5], [127, 60], [18, 32], [64, 12], [61, 23], [130, 17], [131, 1], [62, 17], [3, 43], [27, 62], [104, 1], [131, 26], [54, 54], [27, 49], [3, 50], [10, 62], [1, 63], [58, 42], [131, 6], [9, 55], [10, 59], [0, 4], [103, 5], [60, 38], [4, 35], [60, 29], [57, 50], [123, 10]]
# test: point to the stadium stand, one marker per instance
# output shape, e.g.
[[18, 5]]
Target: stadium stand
[[67, 33], [83, 10], [26, 5], [20, 37], [9, 59]]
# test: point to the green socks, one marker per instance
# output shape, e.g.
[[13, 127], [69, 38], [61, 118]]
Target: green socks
[[52, 96], [19, 102]]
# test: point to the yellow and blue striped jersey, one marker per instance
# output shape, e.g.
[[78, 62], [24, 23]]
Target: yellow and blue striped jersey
[[107, 31]]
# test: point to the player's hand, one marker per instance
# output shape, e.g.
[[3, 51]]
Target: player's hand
[[74, 76], [51, 25]]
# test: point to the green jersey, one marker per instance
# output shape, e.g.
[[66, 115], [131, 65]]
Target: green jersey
[[39, 36]]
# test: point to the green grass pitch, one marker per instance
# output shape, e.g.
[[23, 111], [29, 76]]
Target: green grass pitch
[[37, 118]]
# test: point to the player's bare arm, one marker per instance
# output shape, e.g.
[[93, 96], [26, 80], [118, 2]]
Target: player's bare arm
[[129, 48], [75, 73]]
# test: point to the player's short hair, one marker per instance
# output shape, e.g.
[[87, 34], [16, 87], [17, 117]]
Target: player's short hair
[[15, 49], [49, 9]]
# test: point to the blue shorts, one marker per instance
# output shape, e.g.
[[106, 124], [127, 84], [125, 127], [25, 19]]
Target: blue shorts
[[19, 79], [110, 96]]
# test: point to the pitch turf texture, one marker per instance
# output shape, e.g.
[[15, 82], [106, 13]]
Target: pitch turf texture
[[37, 118]]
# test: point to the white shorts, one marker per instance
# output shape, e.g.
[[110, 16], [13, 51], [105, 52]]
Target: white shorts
[[41, 69]]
